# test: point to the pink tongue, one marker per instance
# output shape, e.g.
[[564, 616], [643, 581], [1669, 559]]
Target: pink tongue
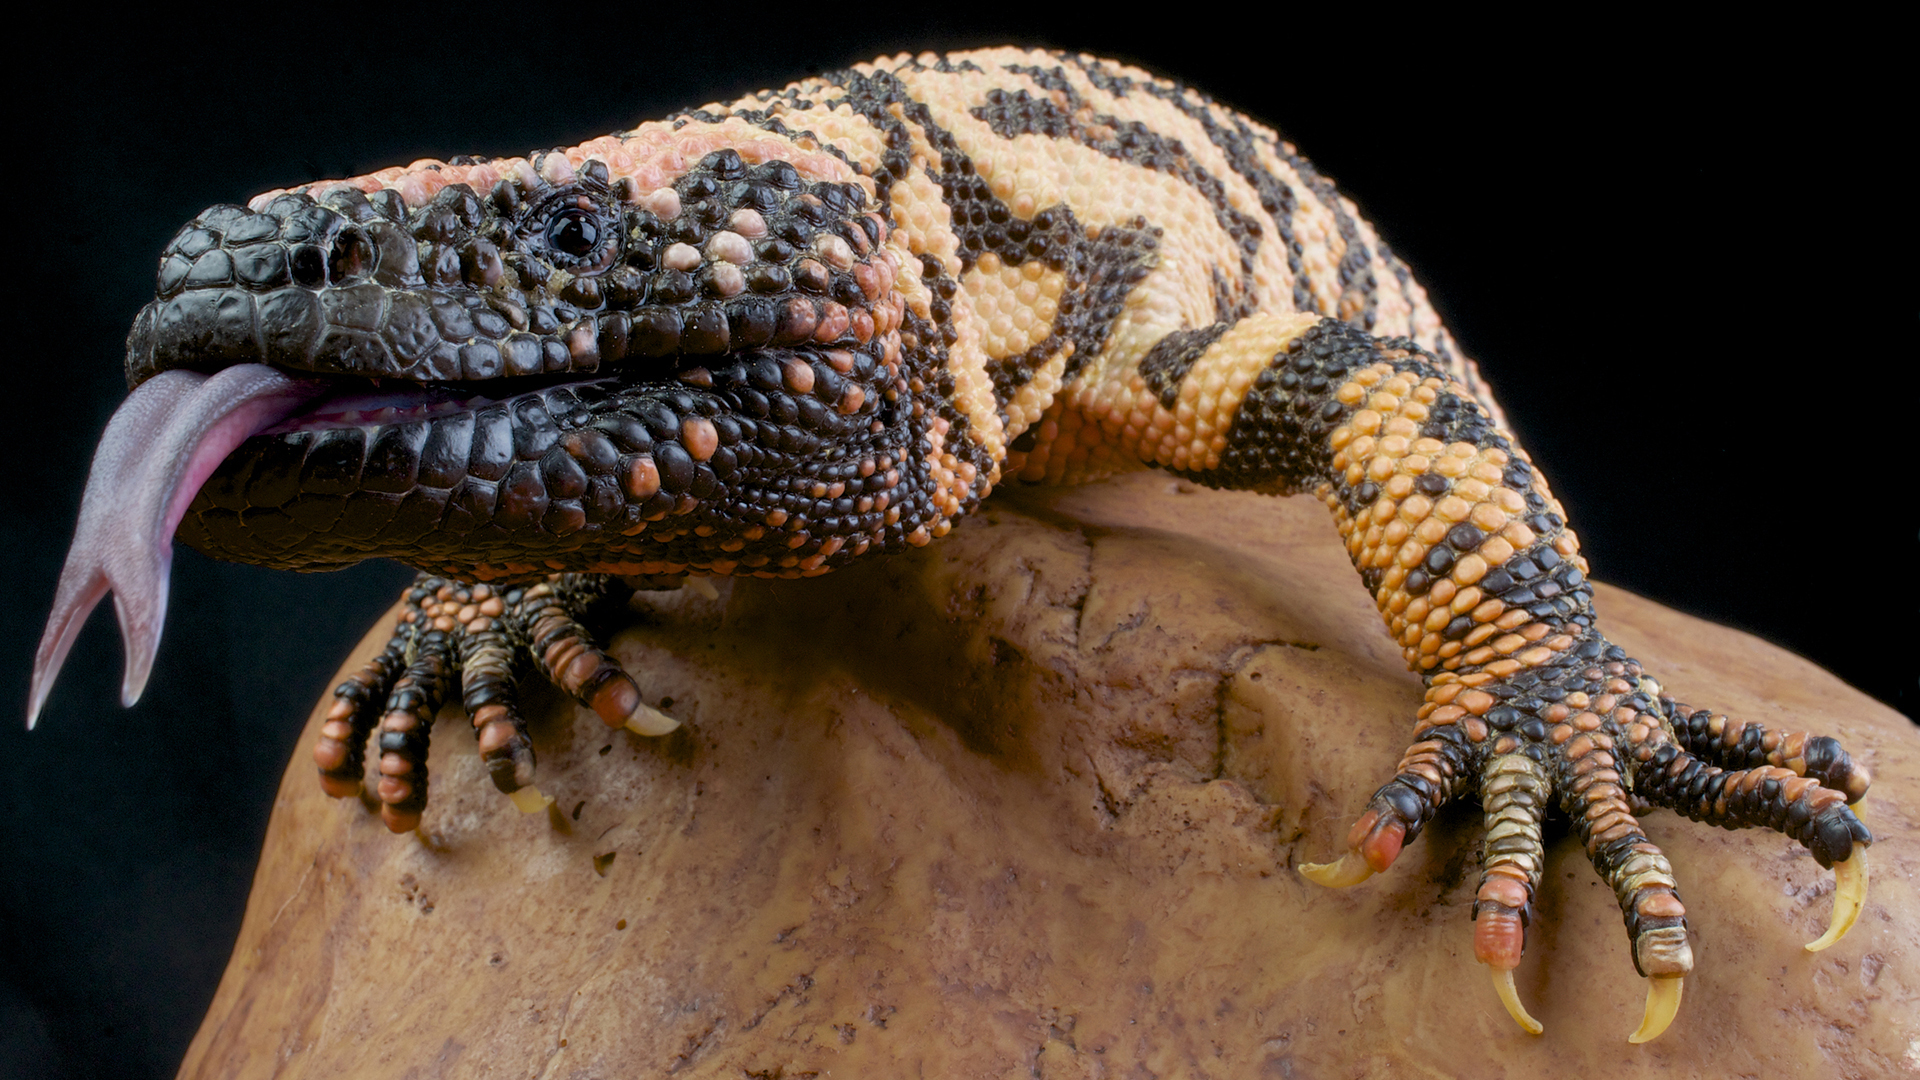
[[161, 445]]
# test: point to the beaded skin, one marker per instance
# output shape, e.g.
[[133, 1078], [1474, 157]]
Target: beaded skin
[[774, 336]]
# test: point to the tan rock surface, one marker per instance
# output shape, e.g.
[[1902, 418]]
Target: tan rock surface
[[1025, 803]]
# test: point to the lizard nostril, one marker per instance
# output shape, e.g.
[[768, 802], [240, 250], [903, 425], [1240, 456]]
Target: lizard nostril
[[351, 257]]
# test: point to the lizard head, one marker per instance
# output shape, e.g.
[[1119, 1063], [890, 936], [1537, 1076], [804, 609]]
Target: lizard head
[[530, 368], [687, 360]]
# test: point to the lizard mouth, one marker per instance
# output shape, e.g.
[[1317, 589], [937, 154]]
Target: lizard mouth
[[379, 403], [182, 437]]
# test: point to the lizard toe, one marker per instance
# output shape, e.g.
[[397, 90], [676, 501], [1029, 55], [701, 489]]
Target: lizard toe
[[547, 616], [397, 693]]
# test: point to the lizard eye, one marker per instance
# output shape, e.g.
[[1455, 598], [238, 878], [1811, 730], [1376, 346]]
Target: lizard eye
[[574, 231]]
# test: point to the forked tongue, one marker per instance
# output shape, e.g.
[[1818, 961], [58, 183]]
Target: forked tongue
[[161, 445]]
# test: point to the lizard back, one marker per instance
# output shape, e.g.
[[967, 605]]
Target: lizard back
[[1005, 264]]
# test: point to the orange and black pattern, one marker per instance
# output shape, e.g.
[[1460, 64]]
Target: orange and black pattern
[[774, 336]]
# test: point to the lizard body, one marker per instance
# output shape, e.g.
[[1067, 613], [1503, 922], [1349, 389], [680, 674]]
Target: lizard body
[[778, 335]]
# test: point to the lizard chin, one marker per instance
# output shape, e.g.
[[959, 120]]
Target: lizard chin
[[160, 446]]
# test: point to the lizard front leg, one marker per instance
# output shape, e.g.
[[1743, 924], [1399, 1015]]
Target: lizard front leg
[[485, 635], [1472, 565]]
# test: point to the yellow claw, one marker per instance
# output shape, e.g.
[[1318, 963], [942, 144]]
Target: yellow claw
[[529, 799], [1849, 896], [1348, 869], [649, 721], [1503, 985], [1663, 1004]]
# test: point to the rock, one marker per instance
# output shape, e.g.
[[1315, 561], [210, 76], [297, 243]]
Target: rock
[[1026, 802]]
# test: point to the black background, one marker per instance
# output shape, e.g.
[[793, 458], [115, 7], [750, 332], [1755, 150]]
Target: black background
[[1674, 254]]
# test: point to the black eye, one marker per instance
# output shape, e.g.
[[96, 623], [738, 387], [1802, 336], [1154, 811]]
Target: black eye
[[572, 229], [575, 232]]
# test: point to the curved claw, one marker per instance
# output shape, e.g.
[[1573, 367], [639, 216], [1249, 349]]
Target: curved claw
[[1663, 1004], [618, 704], [1849, 896], [529, 799], [1503, 985], [1349, 869], [651, 722]]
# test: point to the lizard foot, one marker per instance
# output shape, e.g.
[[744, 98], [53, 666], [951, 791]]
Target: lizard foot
[[1588, 732], [478, 631]]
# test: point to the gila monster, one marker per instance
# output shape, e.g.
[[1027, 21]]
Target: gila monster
[[773, 336]]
